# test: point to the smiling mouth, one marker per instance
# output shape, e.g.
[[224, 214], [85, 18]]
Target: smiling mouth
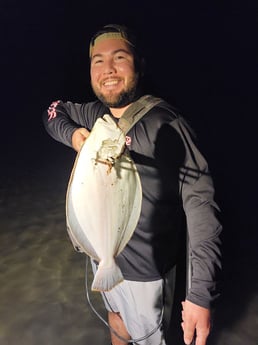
[[112, 82]]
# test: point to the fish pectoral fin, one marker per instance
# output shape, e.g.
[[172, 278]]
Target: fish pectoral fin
[[106, 277]]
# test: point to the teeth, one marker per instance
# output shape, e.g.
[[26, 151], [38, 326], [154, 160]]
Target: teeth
[[110, 82]]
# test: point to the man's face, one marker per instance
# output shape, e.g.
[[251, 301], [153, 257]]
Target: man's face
[[113, 76]]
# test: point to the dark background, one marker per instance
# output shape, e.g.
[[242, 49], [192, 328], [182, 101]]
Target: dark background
[[200, 57]]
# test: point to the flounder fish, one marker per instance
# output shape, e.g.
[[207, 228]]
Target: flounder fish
[[103, 200]]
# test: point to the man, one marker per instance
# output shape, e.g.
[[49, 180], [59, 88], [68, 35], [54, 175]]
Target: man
[[174, 177]]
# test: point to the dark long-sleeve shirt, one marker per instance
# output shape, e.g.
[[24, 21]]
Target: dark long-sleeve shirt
[[176, 183]]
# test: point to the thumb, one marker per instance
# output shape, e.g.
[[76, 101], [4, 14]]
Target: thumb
[[84, 133], [78, 138]]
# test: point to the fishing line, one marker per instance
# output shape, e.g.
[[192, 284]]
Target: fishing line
[[188, 280], [132, 341]]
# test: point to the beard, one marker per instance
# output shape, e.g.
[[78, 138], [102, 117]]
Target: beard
[[121, 99]]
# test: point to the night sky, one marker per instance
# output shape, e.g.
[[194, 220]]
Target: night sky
[[202, 59]]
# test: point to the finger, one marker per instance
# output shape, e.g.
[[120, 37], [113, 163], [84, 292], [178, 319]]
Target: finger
[[84, 133], [188, 337], [201, 337], [189, 332], [192, 342], [79, 143], [82, 140], [78, 138]]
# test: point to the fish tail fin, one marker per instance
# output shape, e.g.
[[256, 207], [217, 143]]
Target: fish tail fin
[[106, 277]]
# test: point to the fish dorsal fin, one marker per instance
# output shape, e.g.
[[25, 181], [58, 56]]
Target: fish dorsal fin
[[136, 111]]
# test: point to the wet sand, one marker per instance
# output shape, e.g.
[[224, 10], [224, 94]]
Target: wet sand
[[42, 287]]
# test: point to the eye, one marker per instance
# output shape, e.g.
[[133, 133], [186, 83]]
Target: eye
[[120, 57], [98, 61]]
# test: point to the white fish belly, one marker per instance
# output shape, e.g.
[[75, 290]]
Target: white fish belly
[[103, 207]]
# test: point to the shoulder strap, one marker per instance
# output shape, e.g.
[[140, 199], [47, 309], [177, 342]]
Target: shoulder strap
[[136, 111]]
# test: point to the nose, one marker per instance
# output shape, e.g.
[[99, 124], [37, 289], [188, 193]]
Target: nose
[[109, 67]]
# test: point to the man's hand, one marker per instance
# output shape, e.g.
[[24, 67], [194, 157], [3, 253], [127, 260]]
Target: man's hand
[[196, 321], [78, 138]]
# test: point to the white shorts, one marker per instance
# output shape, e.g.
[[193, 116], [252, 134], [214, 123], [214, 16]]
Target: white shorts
[[140, 305]]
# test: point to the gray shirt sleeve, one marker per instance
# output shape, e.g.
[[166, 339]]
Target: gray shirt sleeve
[[61, 119], [203, 225]]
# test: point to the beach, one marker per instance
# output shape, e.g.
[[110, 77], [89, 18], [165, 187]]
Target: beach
[[42, 291]]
